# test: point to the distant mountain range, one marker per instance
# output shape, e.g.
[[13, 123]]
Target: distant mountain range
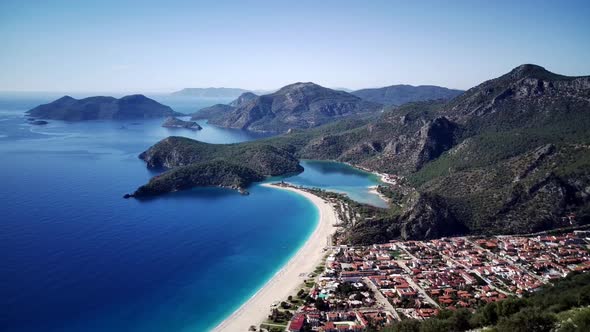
[[219, 110], [510, 155], [295, 106], [212, 112], [210, 92], [243, 99], [401, 94], [102, 108], [307, 105]]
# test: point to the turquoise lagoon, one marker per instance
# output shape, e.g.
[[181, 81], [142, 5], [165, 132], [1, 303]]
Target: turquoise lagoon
[[77, 257]]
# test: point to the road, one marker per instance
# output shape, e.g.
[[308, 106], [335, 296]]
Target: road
[[381, 299], [415, 286]]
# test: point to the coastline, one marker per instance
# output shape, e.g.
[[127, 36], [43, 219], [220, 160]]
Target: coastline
[[373, 190], [288, 278]]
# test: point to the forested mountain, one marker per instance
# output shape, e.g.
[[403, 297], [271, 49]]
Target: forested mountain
[[243, 99], [212, 112], [219, 110], [295, 106], [401, 94], [510, 155]]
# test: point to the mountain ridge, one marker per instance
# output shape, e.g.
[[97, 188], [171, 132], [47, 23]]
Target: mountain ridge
[[490, 161], [400, 94], [210, 92], [295, 106], [219, 110]]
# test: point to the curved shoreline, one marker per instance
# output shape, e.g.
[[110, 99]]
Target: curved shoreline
[[288, 278]]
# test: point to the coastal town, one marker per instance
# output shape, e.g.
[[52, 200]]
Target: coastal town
[[364, 288]]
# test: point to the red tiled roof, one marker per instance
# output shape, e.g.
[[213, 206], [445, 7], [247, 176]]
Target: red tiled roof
[[297, 323]]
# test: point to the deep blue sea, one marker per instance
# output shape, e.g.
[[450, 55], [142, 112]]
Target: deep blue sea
[[75, 256]]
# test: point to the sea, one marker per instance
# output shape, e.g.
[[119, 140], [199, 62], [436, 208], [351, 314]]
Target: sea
[[76, 256]]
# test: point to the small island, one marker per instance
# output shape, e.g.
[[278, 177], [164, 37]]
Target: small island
[[102, 108], [38, 122], [173, 122]]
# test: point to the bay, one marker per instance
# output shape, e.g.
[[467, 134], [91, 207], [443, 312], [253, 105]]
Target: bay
[[77, 257]]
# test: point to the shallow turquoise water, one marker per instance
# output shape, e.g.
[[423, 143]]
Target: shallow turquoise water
[[77, 257], [341, 178]]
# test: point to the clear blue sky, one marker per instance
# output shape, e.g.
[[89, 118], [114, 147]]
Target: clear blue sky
[[143, 46]]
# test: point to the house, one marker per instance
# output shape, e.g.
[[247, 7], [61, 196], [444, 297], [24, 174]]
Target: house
[[296, 323], [405, 292]]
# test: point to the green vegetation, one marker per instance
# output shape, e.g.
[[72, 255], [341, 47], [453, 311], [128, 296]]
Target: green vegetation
[[561, 306], [319, 269], [577, 319], [395, 254], [295, 106], [194, 164], [403, 94], [511, 155], [215, 173], [488, 147], [272, 327], [503, 175]]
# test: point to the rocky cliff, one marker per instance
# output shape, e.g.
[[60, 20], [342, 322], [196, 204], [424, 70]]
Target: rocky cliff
[[510, 155]]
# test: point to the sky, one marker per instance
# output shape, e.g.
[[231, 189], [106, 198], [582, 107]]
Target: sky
[[149, 46]]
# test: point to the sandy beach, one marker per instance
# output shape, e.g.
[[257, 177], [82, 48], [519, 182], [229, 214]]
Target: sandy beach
[[373, 190], [291, 276]]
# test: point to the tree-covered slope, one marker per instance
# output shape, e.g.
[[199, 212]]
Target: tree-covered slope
[[522, 159], [490, 161], [214, 173], [401, 94], [561, 306], [243, 99], [192, 163], [510, 155], [218, 111], [212, 112]]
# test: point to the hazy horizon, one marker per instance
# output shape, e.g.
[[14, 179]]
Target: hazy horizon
[[152, 47]]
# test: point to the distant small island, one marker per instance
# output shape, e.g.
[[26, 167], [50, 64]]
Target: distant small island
[[172, 122], [102, 108], [37, 122]]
